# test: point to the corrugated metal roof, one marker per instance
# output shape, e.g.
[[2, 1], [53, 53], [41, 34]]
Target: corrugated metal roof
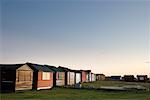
[[38, 67]]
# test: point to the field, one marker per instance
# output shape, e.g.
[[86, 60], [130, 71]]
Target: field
[[98, 84], [78, 94]]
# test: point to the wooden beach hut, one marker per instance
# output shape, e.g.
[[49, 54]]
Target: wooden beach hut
[[129, 78], [115, 78], [142, 78], [93, 77], [107, 78], [59, 76], [69, 76], [42, 76], [100, 77]]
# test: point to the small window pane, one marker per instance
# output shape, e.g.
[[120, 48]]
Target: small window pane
[[46, 76]]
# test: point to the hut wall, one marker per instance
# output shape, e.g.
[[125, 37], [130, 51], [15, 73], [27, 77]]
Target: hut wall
[[24, 78], [83, 76], [45, 80], [87, 77], [78, 77], [70, 78], [102, 77], [8, 80], [90, 77], [60, 78]]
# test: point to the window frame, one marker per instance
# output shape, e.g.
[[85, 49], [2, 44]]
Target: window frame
[[46, 76]]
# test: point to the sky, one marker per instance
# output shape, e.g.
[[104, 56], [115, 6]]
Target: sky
[[106, 36]]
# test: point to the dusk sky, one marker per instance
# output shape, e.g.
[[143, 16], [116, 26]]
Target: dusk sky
[[106, 36]]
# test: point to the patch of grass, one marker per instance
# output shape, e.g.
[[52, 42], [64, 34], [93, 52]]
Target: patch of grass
[[98, 84], [75, 94]]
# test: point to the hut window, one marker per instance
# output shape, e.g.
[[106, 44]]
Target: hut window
[[46, 76]]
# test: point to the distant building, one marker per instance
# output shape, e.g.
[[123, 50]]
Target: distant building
[[108, 78], [129, 78], [93, 76], [142, 78], [100, 77], [115, 78], [85, 75]]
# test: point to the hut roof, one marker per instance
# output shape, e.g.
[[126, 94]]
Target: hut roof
[[86, 70], [55, 69], [66, 69], [10, 66], [141, 75], [128, 75], [38, 67], [116, 76], [100, 74]]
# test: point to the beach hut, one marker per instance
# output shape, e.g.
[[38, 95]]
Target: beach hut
[[59, 76], [88, 77], [42, 76], [115, 78], [69, 76], [129, 78], [142, 78], [93, 77], [83, 75], [107, 78], [100, 77], [15, 77]]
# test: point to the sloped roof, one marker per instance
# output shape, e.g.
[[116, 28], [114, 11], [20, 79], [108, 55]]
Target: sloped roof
[[38, 67], [55, 69], [141, 75], [77, 71], [115, 76], [86, 70], [100, 74], [10, 66], [68, 70], [65, 69]]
